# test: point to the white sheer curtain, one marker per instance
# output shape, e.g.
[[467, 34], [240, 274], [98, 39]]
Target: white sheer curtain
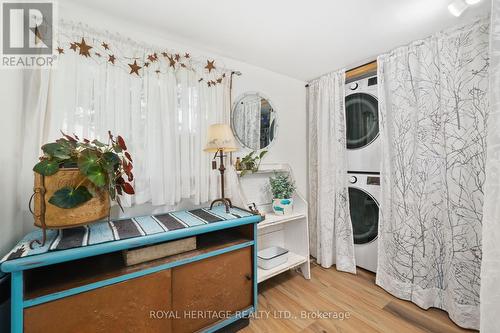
[[247, 122], [330, 221], [11, 129], [490, 266], [433, 101], [163, 118]]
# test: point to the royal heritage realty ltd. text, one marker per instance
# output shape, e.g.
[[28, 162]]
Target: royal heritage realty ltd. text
[[334, 315]]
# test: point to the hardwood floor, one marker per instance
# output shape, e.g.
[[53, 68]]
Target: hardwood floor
[[335, 294]]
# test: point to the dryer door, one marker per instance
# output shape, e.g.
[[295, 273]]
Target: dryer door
[[362, 120], [364, 216]]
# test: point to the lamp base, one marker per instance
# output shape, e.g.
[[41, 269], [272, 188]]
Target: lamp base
[[225, 201]]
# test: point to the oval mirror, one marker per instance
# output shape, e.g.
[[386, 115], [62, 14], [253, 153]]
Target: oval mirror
[[254, 121]]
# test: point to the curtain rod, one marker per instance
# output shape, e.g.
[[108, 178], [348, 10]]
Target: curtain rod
[[237, 73], [355, 65], [352, 68]]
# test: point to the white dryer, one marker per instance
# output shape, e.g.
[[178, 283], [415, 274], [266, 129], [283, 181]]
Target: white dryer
[[364, 196], [362, 125]]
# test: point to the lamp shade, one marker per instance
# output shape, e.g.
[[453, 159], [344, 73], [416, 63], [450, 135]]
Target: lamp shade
[[220, 136]]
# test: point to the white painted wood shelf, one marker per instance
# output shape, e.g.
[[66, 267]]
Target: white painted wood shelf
[[273, 219], [293, 261], [278, 169], [287, 231]]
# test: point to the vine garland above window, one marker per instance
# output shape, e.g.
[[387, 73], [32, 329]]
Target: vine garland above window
[[159, 61]]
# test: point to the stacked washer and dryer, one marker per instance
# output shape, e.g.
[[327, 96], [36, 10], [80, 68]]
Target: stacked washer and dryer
[[363, 165]]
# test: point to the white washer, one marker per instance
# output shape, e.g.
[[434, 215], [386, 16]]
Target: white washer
[[362, 125], [364, 195]]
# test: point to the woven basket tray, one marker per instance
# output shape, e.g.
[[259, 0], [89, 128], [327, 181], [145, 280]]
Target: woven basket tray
[[52, 217]]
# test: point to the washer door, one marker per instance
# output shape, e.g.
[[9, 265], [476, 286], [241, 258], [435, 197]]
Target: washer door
[[364, 216], [362, 120]]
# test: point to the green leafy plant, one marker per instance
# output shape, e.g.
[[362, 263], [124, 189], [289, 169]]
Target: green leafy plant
[[251, 162], [105, 166], [282, 186]]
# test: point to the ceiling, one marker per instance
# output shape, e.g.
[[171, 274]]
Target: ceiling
[[298, 38]]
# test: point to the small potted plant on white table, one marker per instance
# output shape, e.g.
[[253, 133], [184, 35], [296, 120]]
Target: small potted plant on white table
[[282, 188]]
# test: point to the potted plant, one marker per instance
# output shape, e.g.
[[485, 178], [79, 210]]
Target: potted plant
[[75, 180], [282, 188], [251, 162]]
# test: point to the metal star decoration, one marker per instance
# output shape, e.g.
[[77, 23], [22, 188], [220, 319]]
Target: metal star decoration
[[73, 46], [171, 61], [42, 33], [105, 45], [134, 68], [152, 58], [111, 59], [60, 50], [84, 48], [177, 57], [38, 35], [187, 55], [210, 65]]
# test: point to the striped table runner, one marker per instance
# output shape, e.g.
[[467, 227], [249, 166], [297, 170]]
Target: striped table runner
[[104, 231]]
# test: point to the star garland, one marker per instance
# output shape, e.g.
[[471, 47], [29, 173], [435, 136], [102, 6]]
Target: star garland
[[136, 66]]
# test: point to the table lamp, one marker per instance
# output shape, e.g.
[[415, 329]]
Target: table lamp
[[220, 140]]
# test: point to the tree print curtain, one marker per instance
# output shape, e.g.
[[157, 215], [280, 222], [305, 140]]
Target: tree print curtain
[[331, 228], [490, 266], [433, 97]]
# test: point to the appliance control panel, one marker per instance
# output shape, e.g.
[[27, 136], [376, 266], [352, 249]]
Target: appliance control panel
[[372, 180], [372, 81]]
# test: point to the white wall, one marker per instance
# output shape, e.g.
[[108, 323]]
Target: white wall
[[288, 98], [287, 95]]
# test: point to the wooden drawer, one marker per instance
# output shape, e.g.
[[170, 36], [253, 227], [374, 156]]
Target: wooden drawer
[[121, 307], [216, 284]]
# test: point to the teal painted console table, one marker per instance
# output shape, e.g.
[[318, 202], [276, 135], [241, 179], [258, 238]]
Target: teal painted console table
[[78, 281]]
